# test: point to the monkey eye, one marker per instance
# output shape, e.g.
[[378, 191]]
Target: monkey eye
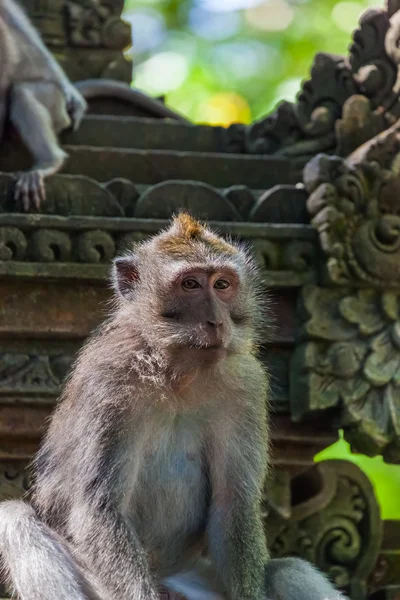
[[221, 284], [190, 284]]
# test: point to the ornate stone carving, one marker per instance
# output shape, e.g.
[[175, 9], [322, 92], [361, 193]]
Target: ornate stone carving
[[355, 211], [331, 519], [32, 373], [97, 24], [87, 36], [49, 245], [288, 257], [12, 244], [348, 358], [346, 101], [304, 128]]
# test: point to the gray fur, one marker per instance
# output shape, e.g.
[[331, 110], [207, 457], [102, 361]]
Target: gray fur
[[28, 547], [42, 101], [159, 446]]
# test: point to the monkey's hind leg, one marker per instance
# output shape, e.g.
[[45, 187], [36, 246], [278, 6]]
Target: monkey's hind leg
[[38, 566], [296, 579], [35, 124]]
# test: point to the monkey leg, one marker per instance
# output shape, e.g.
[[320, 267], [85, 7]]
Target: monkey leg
[[286, 578], [38, 565], [37, 123], [296, 579]]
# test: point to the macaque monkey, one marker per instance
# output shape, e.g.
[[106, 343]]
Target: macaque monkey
[[152, 470], [39, 98]]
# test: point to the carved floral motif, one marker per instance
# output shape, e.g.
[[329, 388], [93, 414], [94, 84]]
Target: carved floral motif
[[348, 358]]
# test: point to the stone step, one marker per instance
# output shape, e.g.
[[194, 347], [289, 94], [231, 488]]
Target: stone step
[[154, 166], [147, 134], [69, 195]]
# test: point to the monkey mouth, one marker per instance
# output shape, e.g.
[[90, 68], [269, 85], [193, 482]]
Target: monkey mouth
[[210, 351]]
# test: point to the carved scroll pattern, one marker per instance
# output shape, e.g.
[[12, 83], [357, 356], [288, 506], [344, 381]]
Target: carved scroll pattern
[[98, 247], [354, 208], [334, 522]]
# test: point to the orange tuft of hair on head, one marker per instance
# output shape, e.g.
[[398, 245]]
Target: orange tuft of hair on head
[[188, 227], [185, 231]]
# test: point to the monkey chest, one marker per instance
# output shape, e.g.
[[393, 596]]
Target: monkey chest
[[170, 495]]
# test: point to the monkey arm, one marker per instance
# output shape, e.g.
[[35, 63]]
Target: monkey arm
[[33, 121], [113, 555], [16, 19], [235, 531], [51, 71]]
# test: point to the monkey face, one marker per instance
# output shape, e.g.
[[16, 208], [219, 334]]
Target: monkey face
[[197, 309], [190, 292]]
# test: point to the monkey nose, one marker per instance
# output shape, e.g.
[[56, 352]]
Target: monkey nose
[[214, 323]]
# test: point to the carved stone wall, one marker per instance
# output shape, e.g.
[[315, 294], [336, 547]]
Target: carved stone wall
[[87, 36], [348, 348], [331, 519]]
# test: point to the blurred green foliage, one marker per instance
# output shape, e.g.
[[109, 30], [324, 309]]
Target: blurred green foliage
[[220, 61], [224, 61]]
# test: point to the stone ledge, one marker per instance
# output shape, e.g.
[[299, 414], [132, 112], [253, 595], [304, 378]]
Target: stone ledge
[[54, 247]]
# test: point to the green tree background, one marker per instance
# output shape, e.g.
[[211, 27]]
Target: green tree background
[[219, 61], [224, 61]]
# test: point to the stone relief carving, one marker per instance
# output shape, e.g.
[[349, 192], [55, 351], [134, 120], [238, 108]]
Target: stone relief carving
[[354, 208], [294, 261], [333, 520], [96, 24], [87, 36], [32, 373], [346, 101], [348, 358]]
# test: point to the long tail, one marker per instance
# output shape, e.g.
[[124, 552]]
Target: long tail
[[36, 564]]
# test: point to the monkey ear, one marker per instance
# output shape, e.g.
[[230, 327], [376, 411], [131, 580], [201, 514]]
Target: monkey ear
[[125, 275]]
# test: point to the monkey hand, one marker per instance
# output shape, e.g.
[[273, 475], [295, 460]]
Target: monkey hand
[[76, 105], [30, 190], [165, 594]]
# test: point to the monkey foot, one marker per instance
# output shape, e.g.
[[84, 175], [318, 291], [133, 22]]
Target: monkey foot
[[30, 190]]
